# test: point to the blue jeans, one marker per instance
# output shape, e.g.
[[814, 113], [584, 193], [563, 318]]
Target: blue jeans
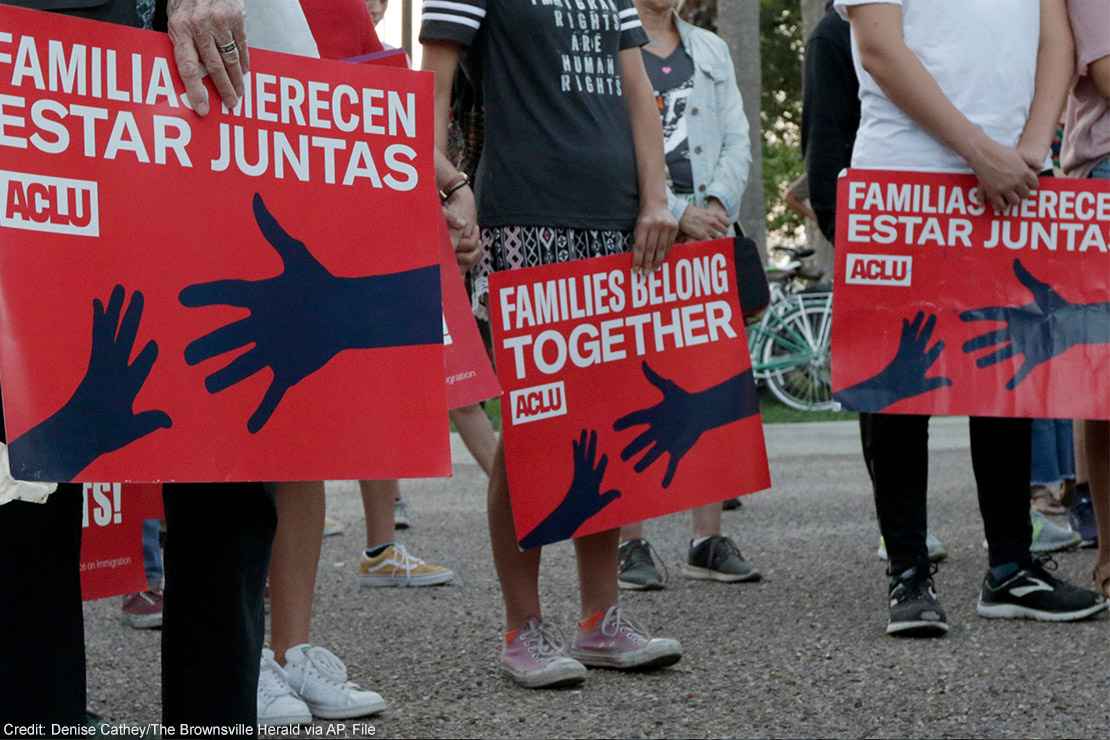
[[1053, 452], [152, 553]]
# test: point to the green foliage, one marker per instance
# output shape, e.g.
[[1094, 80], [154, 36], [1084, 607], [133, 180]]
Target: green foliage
[[781, 48]]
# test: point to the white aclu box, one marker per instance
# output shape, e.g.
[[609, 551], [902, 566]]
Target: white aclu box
[[879, 269], [52, 204], [537, 403]]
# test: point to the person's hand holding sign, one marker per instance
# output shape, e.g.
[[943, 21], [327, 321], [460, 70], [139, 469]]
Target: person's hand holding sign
[[906, 375], [305, 316], [1038, 331], [98, 418], [676, 423], [584, 498], [209, 39]]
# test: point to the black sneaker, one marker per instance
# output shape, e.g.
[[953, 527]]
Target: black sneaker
[[636, 569], [1081, 516], [914, 608], [1034, 593], [718, 559]]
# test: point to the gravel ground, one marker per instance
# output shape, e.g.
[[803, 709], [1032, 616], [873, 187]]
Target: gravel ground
[[801, 654]]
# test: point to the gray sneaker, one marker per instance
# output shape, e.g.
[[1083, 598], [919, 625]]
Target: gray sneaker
[[1049, 537], [937, 550], [636, 569], [719, 559]]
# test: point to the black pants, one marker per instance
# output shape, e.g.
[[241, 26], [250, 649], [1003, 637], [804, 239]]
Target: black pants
[[895, 449], [218, 540], [42, 633]]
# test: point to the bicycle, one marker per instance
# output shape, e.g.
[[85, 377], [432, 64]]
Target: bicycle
[[789, 344]]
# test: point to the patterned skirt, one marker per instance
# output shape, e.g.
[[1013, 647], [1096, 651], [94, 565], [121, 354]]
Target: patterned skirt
[[512, 247]]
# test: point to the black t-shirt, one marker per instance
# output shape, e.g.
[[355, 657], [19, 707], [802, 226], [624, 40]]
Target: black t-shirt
[[558, 142], [672, 79]]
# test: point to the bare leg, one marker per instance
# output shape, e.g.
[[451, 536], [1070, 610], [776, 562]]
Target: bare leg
[[518, 572], [597, 570], [377, 504], [707, 520], [632, 532], [296, 555], [477, 434], [1098, 466]]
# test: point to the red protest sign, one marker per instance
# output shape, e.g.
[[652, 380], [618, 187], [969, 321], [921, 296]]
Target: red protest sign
[[470, 378], [112, 540], [625, 398], [278, 315], [385, 57], [945, 307]]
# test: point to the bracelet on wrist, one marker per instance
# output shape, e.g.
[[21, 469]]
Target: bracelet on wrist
[[460, 182]]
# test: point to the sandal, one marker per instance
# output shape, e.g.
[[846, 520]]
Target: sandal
[[1101, 576], [1045, 501]]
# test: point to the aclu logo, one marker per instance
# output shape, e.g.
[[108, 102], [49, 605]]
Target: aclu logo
[[53, 204], [879, 269], [538, 402]]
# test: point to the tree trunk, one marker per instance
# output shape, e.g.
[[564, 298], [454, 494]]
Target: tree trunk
[[738, 24], [812, 13]]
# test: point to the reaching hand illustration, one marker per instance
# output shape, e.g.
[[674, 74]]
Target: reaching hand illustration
[[98, 418], [301, 319], [676, 423], [584, 499], [1038, 331], [906, 376]]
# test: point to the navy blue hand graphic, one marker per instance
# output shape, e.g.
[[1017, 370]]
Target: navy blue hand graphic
[[907, 373], [1038, 331], [584, 499], [676, 423], [98, 418], [301, 319]]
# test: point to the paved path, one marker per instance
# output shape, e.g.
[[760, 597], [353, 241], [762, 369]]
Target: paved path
[[801, 654]]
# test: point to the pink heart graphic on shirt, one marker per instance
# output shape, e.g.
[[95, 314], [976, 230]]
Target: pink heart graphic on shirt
[[666, 70]]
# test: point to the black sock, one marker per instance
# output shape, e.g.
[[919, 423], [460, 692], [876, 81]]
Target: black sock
[[378, 550]]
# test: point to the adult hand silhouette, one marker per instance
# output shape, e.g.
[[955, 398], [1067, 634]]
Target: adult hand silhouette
[[1038, 331], [676, 423], [300, 319], [98, 418], [584, 498]]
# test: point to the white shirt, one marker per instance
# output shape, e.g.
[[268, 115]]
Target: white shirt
[[982, 53]]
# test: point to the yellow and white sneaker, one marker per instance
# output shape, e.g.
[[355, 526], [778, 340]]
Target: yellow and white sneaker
[[396, 566]]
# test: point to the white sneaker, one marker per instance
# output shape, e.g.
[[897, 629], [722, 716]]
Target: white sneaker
[[332, 527], [937, 550], [278, 705], [320, 678]]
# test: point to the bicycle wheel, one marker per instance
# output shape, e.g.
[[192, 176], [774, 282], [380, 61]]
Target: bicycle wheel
[[795, 359]]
